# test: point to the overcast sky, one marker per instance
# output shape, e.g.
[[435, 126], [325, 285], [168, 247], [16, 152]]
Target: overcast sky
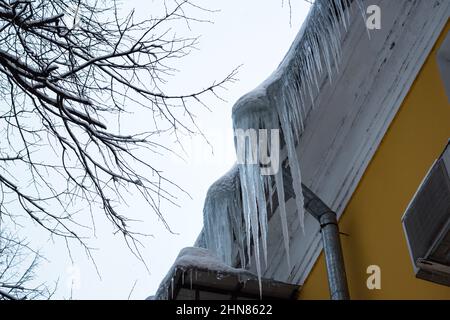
[[253, 33]]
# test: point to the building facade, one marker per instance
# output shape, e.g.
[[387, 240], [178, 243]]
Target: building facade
[[371, 220]]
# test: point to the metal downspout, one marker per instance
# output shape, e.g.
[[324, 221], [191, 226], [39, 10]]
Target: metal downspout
[[337, 278]]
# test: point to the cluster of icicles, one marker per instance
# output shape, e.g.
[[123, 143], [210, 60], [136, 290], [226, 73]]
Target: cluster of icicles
[[235, 211]]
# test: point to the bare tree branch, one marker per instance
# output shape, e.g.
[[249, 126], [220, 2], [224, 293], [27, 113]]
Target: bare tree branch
[[18, 263], [66, 84]]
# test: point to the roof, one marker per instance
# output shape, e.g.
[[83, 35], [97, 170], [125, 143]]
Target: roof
[[199, 274]]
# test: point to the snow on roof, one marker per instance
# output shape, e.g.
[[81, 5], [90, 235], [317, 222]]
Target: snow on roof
[[200, 259]]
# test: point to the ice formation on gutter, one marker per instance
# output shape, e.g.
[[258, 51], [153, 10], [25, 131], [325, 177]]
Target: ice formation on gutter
[[200, 259], [281, 103], [224, 232]]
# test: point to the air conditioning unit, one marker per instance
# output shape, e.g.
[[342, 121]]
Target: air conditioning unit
[[426, 223]]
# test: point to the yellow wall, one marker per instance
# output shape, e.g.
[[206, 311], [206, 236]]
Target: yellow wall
[[414, 140]]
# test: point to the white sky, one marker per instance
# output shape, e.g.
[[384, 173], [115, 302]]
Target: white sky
[[253, 33]]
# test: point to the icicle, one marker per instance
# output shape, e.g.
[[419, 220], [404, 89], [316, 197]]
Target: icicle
[[270, 188], [363, 13], [262, 211], [222, 214], [251, 113], [294, 167], [279, 183]]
